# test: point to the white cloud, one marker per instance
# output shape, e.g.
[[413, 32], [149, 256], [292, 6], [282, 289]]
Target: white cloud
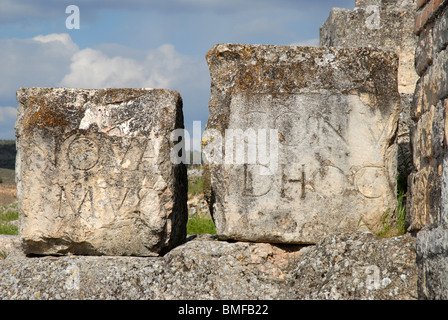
[[41, 61], [163, 67], [8, 114], [93, 69], [54, 60], [63, 38], [306, 43]]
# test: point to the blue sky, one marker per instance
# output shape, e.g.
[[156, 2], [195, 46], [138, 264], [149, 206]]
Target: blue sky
[[139, 43]]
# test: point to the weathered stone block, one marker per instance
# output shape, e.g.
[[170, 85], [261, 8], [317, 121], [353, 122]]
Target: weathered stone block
[[382, 24], [424, 53], [94, 174], [358, 266], [427, 13], [334, 114], [386, 25], [427, 205], [434, 82]]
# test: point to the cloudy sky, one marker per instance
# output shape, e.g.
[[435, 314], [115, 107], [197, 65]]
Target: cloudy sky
[[139, 43]]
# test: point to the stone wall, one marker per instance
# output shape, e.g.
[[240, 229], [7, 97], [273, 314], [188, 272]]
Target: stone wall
[[428, 184]]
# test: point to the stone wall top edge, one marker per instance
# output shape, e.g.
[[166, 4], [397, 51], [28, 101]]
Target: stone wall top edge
[[293, 68], [291, 55], [70, 109], [317, 49], [90, 90]]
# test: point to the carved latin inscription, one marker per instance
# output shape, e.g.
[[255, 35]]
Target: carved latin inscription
[[335, 119], [83, 153], [93, 194], [94, 173], [328, 156]]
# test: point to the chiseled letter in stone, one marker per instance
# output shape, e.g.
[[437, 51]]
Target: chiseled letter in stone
[[336, 113], [94, 174]]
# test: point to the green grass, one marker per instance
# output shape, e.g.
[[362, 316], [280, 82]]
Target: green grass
[[200, 225], [9, 229], [7, 214], [386, 229], [196, 186], [401, 213], [399, 226]]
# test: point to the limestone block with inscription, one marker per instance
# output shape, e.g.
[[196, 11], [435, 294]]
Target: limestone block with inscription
[[94, 174], [318, 127]]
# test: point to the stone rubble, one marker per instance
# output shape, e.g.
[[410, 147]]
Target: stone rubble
[[342, 266]]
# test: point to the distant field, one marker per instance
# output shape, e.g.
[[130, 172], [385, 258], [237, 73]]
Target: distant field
[[7, 142], [8, 192], [8, 176]]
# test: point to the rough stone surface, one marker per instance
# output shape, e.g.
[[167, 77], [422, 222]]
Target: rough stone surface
[[428, 192], [431, 41], [432, 261], [342, 266], [10, 245], [425, 183], [427, 12], [429, 132], [386, 25], [358, 266], [93, 171], [336, 111]]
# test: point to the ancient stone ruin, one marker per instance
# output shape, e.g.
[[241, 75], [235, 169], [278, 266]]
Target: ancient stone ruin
[[427, 204], [94, 174], [342, 266], [382, 24], [95, 178], [335, 113], [386, 25]]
